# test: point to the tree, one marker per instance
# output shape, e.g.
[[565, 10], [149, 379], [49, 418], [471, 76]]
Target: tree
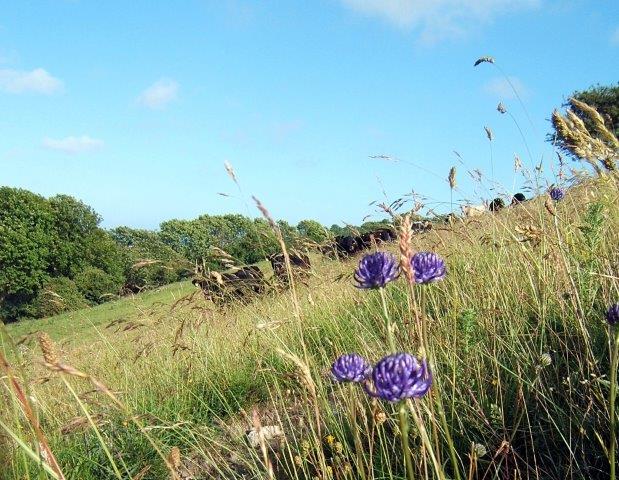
[[605, 99], [375, 225], [102, 252], [582, 133], [289, 233], [151, 262], [313, 230], [26, 244], [75, 223]]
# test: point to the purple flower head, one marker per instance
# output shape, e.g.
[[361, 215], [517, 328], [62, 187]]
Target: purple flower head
[[556, 193], [428, 267], [351, 368], [400, 376], [612, 316], [376, 270]]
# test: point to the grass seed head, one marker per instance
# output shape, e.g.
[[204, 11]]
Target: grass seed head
[[452, 178], [406, 250], [48, 348]]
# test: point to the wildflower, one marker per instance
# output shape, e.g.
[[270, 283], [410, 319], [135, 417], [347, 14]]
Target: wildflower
[[612, 316], [545, 360], [400, 376], [376, 270], [351, 368], [428, 267], [556, 193], [479, 450]]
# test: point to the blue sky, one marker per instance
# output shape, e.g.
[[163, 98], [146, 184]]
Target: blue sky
[[134, 107]]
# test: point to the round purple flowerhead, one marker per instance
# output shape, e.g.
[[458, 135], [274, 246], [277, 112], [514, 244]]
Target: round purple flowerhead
[[612, 316], [428, 267], [556, 193], [376, 270], [351, 368], [400, 376]]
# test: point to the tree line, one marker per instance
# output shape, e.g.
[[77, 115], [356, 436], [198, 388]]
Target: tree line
[[55, 256]]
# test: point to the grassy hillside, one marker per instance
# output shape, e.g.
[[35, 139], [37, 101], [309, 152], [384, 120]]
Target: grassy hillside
[[164, 385]]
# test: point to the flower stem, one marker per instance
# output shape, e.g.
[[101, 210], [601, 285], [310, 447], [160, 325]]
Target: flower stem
[[424, 319], [405, 446], [614, 361], [358, 446], [426, 440], [388, 324]]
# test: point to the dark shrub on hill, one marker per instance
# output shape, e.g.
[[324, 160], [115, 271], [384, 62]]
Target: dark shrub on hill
[[58, 295], [98, 286]]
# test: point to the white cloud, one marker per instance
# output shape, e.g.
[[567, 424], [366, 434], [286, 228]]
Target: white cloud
[[283, 130], [35, 81], [438, 19], [159, 94], [73, 145], [501, 88], [614, 37]]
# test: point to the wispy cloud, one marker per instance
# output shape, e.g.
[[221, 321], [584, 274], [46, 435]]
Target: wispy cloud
[[438, 19], [34, 81], [159, 94], [614, 37], [503, 89], [73, 145], [282, 130]]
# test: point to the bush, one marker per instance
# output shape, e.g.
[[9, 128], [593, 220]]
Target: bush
[[141, 277], [96, 285], [58, 295]]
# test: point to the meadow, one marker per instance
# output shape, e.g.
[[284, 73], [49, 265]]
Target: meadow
[[165, 385]]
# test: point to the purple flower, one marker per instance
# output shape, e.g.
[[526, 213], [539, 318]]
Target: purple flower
[[400, 376], [428, 267], [612, 316], [556, 193], [376, 270], [351, 368]]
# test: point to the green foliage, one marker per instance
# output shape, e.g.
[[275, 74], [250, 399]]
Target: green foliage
[[313, 230], [587, 255], [101, 251], [74, 223], [372, 226], [244, 239], [592, 227], [150, 261], [26, 247], [58, 295], [97, 286]]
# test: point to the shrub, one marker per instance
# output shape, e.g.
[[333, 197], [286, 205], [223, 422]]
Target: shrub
[[96, 285], [141, 276], [58, 295]]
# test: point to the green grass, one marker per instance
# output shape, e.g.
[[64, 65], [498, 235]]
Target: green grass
[[81, 325], [517, 342]]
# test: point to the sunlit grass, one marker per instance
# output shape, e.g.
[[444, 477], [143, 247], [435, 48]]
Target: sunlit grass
[[516, 331]]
